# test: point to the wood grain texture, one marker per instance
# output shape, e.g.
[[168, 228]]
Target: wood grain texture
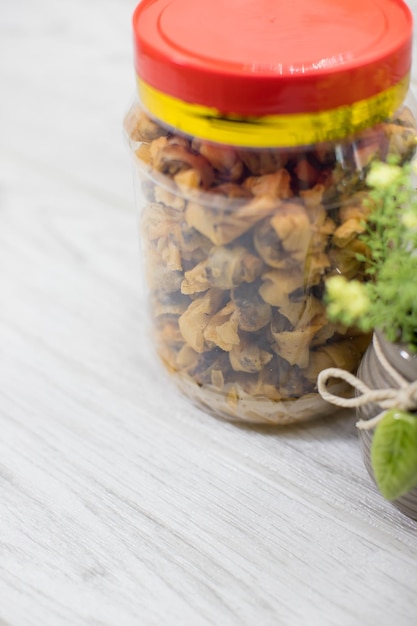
[[122, 504]]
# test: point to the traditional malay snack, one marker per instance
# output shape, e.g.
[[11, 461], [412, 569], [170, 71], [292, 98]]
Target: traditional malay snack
[[238, 242]]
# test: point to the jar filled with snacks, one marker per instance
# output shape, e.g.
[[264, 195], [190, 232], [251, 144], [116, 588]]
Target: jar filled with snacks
[[252, 132]]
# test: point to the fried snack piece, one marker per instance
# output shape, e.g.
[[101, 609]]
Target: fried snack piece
[[194, 320], [344, 354], [251, 311], [294, 385], [224, 268], [174, 157], [139, 127], [211, 361], [169, 199], [222, 226], [313, 313], [313, 198], [321, 230], [167, 235], [160, 278], [267, 383], [344, 260], [279, 284], [161, 229], [306, 317], [190, 179], [144, 153], [283, 239], [222, 329], [348, 231], [186, 358], [159, 145], [170, 254], [287, 316], [247, 356], [292, 226], [316, 267], [276, 185], [225, 161], [357, 207], [326, 333], [168, 331], [294, 345], [307, 174], [352, 214], [159, 220]]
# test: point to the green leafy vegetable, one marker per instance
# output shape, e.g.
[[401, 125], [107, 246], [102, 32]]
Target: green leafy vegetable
[[394, 453]]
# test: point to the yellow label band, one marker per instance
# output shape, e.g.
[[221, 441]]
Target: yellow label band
[[271, 130]]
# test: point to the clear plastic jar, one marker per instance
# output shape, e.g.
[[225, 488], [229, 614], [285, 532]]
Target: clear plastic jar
[[252, 177]]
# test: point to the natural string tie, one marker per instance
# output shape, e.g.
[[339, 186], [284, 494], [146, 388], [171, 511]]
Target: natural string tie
[[404, 397]]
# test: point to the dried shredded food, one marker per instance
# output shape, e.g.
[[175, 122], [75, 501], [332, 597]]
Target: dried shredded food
[[238, 247]]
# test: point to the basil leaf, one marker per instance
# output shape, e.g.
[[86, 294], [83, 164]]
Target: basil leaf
[[394, 453]]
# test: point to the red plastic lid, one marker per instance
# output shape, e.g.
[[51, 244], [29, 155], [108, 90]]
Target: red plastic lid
[[265, 57]]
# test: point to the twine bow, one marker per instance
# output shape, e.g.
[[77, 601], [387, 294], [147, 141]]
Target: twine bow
[[404, 397]]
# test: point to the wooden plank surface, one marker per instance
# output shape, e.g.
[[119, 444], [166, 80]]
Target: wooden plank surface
[[120, 503]]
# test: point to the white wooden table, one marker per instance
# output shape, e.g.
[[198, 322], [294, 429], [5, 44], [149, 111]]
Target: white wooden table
[[120, 503]]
